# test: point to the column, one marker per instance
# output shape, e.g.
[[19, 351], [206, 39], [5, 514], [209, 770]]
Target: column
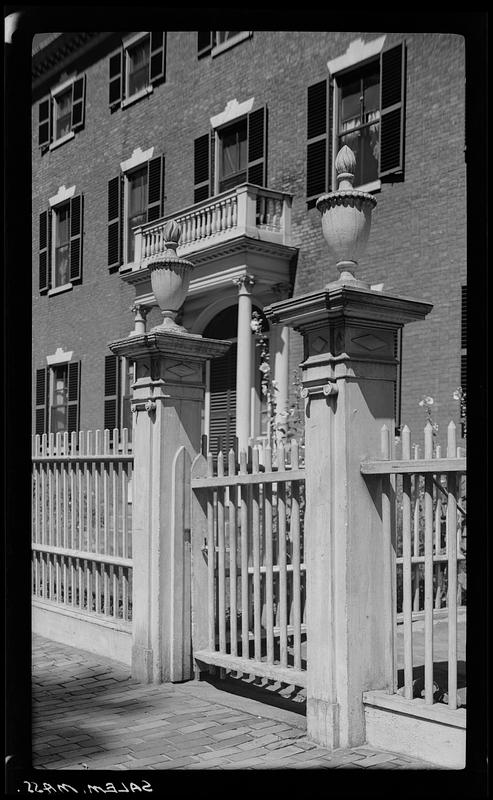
[[244, 359], [279, 349], [167, 401], [348, 377]]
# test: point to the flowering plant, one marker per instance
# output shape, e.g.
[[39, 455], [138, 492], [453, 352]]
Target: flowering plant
[[460, 395], [426, 402]]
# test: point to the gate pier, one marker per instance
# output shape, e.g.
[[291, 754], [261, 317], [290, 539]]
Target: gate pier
[[167, 403]]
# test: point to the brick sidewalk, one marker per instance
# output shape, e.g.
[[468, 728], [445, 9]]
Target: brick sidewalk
[[89, 714]]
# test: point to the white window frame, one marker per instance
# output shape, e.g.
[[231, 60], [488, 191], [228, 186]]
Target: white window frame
[[220, 48], [126, 364], [137, 38], [62, 197], [233, 113], [55, 93], [137, 160], [357, 55], [51, 391]]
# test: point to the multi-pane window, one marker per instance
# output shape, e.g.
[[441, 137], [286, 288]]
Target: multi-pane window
[[59, 399], [216, 41], [359, 120], [63, 113], [61, 271], [137, 206], [233, 155], [138, 67], [119, 375]]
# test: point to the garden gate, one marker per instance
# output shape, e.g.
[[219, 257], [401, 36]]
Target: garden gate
[[248, 571]]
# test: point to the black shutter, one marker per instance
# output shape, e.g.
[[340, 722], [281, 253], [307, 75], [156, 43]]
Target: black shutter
[[44, 124], [157, 60], [222, 417], [45, 251], [257, 147], [463, 329], [76, 230], [116, 79], [111, 393], [392, 93], [78, 102], [205, 42], [155, 188], [201, 166], [73, 391], [42, 387], [318, 151], [398, 381], [114, 223]]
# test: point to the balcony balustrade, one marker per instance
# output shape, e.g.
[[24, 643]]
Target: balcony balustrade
[[245, 210]]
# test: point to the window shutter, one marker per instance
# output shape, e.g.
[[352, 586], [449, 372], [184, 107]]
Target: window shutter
[[45, 251], [222, 419], [78, 103], [463, 330], [398, 380], [205, 42], [114, 222], [157, 61], [73, 391], [44, 123], [201, 162], [257, 147], [76, 230], [392, 92], [42, 386], [318, 152], [155, 188], [111, 384], [116, 79]]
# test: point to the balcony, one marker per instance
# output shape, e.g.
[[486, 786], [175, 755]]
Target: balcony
[[223, 236]]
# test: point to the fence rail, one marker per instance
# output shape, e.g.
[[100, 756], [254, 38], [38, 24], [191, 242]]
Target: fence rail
[[254, 578], [81, 523], [428, 529]]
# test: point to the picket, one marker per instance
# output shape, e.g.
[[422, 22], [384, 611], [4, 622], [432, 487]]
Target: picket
[[255, 598], [82, 522]]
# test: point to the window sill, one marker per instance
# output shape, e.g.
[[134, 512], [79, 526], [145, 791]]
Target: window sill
[[60, 289], [373, 186], [137, 96], [220, 48], [59, 142]]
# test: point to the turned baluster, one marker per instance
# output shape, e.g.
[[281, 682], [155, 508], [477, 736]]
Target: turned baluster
[[228, 213], [208, 213], [234, 204], [278, 215]]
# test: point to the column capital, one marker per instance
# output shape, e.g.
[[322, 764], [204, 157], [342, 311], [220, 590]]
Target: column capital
[[140, 312], [244, 283]]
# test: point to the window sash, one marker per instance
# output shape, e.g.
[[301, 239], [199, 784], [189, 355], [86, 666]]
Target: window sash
[[62, 104], [136, 206], [61, 254], [362, 132], [58, 412], [137, 62]]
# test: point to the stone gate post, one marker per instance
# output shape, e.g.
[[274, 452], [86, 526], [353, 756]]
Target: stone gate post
[[167, 405], [349, 373]]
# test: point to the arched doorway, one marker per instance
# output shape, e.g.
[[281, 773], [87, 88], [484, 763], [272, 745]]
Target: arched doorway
[[222, 384]]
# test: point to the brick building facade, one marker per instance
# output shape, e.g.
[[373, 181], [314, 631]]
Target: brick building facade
[[417, 246]]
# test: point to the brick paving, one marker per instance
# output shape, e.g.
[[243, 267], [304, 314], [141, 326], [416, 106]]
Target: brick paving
[[89, 714]]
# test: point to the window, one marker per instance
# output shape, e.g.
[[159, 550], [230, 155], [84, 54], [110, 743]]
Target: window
[[231, 154], [359, 120], [119, 375], [362, 106], [136, 68], [60, 245], [61, 271], [135, 197], [62, 113], [215, 42], [398, 382], [57, 398]]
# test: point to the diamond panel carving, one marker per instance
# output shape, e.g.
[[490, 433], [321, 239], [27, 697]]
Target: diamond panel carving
[[369, 342], [318, 344], [181, 370]]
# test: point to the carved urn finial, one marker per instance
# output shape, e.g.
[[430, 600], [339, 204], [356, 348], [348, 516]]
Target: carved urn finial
[[345, 167], [346, 219], [170, 279]]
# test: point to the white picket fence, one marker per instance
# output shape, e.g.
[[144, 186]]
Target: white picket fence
[[82, 523]]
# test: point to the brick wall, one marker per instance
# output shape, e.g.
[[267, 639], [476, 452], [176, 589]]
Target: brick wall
[[418, 240]]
